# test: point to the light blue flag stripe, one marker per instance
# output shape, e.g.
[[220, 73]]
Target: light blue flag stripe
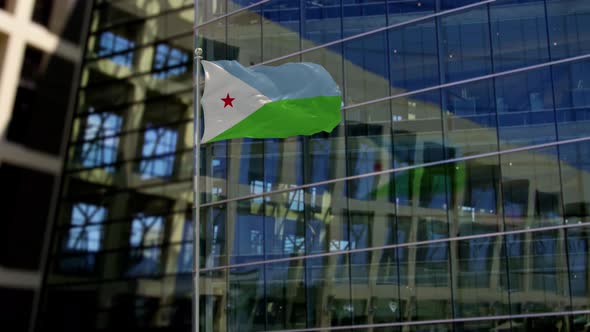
[[288, 81]]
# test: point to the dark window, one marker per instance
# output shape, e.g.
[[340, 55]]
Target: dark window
[[41, 102], [16, 306], [22, 227], [42, 11]]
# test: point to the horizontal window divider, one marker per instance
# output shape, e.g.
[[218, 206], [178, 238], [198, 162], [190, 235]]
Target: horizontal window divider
[[139, 74], [440, 321], [396, 170], [125, 105], [74, 143], [132, 160], [123, 249], [123, 220], [138, 47], [471, 80], [394, 246], [110, 190], [123, 278], [122, 23]]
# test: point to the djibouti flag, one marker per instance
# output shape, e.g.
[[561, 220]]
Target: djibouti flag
[[268, 102]]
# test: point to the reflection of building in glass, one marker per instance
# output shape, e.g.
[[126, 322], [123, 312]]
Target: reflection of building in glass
[[460, 238]]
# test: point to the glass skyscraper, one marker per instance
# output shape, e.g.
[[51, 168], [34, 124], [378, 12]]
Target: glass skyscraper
[[454, 195]]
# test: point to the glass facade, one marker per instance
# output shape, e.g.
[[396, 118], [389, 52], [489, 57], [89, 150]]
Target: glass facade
[[454, 196]]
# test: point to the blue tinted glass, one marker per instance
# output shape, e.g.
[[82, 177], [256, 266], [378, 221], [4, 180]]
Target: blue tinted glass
[[146, 235], [158, 147], [519, 34], [280, 28], [213, 227], [569, 28], [86, 231], [578, 250], [362, 15], [402, 10], [465, 42], [451, 4], [366, 68], [413, 56], [185, 256], [471, 118], [112, 43], [525, 108], [169, 61], [84, 237], [369, 150], [322, 22], [101, 144], [571, 82]]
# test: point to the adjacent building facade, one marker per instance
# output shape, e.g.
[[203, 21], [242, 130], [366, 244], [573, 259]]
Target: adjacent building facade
[[480, 109], [40, 54]]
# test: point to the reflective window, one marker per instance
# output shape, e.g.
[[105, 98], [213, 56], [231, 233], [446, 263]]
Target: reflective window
[[100, 143], [569, 25], [413, 57], [519, 34], [110, 43], [531, 189], [322, 23], [470, 118], [146, 236], [85, 235], [169, 61], [158, 148], [525, 100], [363, 15], [465, 50], [571, 88], [280, 28]]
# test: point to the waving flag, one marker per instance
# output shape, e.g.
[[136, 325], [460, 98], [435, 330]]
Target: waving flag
[[268, 102]]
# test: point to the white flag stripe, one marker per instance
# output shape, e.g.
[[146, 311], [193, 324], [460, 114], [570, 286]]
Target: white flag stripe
[[219, 83]]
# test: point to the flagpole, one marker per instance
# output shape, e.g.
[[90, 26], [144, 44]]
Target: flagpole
[[196, 191]]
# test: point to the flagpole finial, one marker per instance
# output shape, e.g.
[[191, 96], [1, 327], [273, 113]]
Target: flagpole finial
[[198, 53]]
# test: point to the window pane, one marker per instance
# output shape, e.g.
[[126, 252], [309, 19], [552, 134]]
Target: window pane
[[525, 109], [363, 15], [569, 27], [531, 189], [280, 28], [244, 33], [366, 69], [470, 118], [413, 57], [571, 84], [465, 41], [519, 34]]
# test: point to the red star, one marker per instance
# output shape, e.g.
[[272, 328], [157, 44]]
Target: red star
[[227, 101]]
